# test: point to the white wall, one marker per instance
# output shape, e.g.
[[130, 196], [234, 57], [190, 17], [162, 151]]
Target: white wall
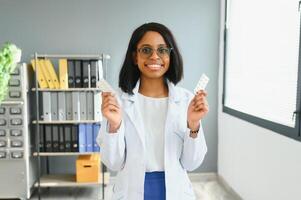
[[257, 163]]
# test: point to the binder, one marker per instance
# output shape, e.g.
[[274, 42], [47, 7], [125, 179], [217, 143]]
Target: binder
[[54, 105], [41, 106], [83, 105], [85, 74], [40, 76], [69, 114], [89, 138], [96, 128], [55, 138], [49, 66], [61, 139], [63, 73], [67, 136], [75, 106], [97, 106], [74, 138], [90, 105], [78, 73], [82, 138], [71, 78], [93, 69], [46, 74], [46, 106], [48, 138], [42, 138], [99, 72], [62, 105]]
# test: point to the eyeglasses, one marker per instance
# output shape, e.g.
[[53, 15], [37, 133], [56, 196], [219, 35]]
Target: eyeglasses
[[162, 52]]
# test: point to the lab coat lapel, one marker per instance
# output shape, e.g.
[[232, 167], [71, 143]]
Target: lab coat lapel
[[131, 108], [172, 111]]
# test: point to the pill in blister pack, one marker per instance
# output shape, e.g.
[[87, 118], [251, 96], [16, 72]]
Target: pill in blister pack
[[202, 83], [104, 86]]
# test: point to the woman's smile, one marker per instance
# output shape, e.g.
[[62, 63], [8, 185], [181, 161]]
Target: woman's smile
[[154, 66]]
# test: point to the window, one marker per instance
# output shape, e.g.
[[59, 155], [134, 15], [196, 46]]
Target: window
[[261, 62]]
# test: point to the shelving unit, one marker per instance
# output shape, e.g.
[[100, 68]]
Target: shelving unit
[[64, 180]]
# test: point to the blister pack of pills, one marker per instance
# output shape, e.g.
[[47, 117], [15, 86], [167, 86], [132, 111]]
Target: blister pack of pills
[[104, 86], [202, 83]]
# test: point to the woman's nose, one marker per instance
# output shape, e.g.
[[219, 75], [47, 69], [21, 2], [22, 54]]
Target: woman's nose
[[154, 55]]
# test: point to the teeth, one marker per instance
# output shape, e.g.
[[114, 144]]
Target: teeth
[[154, 66]]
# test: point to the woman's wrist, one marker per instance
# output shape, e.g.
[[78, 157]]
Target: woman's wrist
[[194, 126], [113, 128]]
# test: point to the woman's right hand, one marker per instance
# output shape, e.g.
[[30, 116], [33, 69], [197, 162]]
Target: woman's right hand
[[111, 111]]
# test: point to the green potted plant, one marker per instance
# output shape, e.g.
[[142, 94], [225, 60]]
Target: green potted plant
[[10, 55]]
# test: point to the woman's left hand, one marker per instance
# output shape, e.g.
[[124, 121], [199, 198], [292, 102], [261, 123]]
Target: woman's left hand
[[197, 109]]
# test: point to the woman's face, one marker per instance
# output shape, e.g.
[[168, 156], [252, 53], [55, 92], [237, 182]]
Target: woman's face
[[152, 55]]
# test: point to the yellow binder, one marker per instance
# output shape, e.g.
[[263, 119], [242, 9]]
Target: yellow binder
[[49, 66], [63, 73], [40, 76], [46, 73]]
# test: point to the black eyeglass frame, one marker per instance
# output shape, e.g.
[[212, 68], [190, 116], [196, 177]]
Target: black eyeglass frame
[[152, 51]]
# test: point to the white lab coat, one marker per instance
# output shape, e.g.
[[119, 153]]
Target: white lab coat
[[124, 151]]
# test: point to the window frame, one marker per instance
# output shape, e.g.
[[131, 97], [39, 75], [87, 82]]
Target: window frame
[[290, 132]]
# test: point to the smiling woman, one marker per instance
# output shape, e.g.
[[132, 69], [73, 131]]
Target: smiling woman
[[153, 134], [141, 48], [152, 64]]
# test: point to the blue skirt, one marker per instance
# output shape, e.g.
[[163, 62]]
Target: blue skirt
[[154, 186]]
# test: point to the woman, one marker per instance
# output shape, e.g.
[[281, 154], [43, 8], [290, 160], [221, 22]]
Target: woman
[[152, 133]]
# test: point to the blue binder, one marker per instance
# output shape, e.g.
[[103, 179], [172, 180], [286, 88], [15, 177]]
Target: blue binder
[[96, 128], [89, 137], [82, 141]]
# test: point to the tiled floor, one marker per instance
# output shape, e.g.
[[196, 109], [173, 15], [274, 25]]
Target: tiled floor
[[206, 187]]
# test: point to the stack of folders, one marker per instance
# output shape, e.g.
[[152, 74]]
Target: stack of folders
[[72, 105], [69, 138], [61, 106]]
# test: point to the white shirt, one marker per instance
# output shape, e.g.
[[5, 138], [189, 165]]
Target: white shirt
[[153, 112]]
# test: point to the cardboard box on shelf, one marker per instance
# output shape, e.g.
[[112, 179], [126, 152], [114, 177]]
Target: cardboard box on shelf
[[88, 168]]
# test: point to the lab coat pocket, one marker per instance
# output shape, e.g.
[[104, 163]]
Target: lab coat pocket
[[118, 196], [117, 193], [189, 194], [188, 189]]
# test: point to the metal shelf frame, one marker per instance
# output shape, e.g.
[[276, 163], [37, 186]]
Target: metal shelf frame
[[68, 180], [69, 90], [66, 122], [63, 153], [5, 103], [104, 58]]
